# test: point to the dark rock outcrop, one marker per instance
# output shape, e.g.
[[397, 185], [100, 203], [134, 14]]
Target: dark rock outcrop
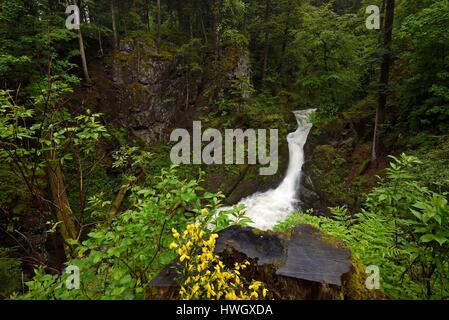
[[153, 91]]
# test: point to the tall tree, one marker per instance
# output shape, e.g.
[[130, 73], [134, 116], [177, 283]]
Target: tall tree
[[216, 21], [83, 56], [81, 47], [266, 44], [384, 77], [158, 10], [114, 25]]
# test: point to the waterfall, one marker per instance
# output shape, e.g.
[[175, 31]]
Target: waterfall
[[267, 208]]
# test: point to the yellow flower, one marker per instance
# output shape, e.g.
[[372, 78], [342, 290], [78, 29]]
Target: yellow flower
[[192, 227], [195, 288], [231, 295], [184, 257], [210, 290], [175, 233], [173, 245], [264, 292], [207, 276], [204, 211], [255, 285]]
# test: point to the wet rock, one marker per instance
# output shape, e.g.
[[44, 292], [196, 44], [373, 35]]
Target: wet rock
[[304, 264], [264, 247], [310, 258], [151, 91], [308, 197]]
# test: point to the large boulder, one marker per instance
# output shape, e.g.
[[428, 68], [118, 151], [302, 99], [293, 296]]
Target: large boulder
[[302, 265]]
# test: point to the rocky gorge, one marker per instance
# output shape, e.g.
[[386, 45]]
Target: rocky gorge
[[150, 94]]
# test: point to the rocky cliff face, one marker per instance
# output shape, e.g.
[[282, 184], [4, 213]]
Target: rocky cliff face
[[149, 93], [153, 92], [159, 89]]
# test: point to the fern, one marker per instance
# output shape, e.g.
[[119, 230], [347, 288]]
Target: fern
[[402, 230]]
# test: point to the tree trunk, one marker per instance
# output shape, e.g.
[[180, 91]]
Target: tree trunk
[[158, 25], [266, 47], [384, 78], [147, 15], [100, 43], [100, 40], [82, 51], [216, 12], [203, 30], [114, 25], [117, 203], [61, 201], [83, 56]]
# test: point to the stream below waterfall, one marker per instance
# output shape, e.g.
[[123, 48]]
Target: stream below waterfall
[[268, 208]]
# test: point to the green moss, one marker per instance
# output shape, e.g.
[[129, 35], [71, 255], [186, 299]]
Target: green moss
[[363, 166], [141, 36], [331, 127], [137, 87], [354, 287]]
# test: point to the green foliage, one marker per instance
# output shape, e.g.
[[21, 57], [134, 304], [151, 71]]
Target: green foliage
[[58, 131], [9, 274], [424, 44], [328, 56], [30, 35], [434, 151], [403, 229], [318, 54], [119, 261], [291, 221]]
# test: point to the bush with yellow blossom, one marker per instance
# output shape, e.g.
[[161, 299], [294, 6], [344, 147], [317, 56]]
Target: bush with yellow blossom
[[203, 276]]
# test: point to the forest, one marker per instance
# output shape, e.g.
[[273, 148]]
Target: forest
[[97, 96]]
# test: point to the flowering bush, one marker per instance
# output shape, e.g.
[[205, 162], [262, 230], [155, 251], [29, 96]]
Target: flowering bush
[[202, 273]]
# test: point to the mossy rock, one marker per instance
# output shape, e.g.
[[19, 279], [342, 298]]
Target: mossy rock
[[305, 264], [332, 127], [327, 170], [324, 155], [302, 265], [354, 283]]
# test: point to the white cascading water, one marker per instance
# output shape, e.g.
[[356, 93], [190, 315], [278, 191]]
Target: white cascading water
[[267, 208]]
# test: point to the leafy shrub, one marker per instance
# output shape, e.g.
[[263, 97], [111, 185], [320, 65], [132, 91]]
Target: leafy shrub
[[119, 261], [9, 274], [202, 273], [403, 229]]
